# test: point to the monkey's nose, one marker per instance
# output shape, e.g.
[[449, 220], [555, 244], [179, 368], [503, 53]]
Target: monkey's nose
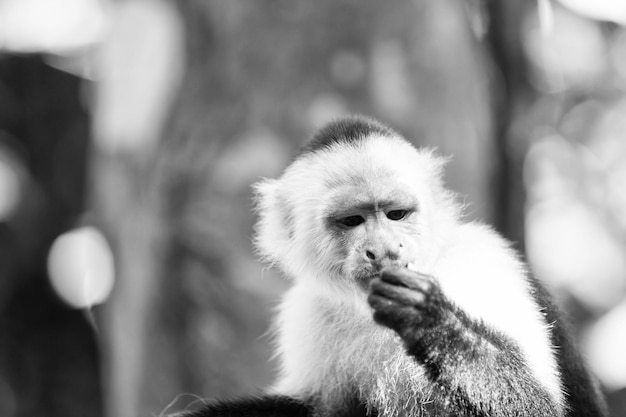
[[381, 256]]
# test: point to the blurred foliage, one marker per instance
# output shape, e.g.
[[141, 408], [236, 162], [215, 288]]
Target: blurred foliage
[[575, 176]]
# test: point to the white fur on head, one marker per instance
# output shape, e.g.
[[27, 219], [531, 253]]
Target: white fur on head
[[274, 226], [291, 232]]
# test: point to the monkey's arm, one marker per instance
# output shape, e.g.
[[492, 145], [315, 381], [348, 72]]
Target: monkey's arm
[[478, 370], [266, 406]]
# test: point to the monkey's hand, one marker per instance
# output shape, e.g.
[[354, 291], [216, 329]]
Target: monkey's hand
[[432, 328], [407, 301], [477, 367]]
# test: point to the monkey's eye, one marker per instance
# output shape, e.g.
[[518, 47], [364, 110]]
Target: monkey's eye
[[351, 221], [397, 214]]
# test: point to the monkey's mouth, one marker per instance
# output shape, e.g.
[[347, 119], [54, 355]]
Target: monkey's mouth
[[364, 282], [364, 277]]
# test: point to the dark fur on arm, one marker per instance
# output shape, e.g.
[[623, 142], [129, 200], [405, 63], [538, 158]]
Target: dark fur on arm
[[478, 371], [266, 406], [583, 392]]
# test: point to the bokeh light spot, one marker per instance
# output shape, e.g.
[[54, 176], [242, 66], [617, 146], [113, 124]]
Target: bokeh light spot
[[80, 266]]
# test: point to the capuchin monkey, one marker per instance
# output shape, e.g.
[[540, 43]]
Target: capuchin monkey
[[399, 306]]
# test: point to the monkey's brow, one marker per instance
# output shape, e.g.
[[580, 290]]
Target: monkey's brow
[[356, 204]]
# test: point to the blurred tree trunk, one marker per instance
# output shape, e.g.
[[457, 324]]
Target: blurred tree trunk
[[48, 355], [513, 98], [138, 68]]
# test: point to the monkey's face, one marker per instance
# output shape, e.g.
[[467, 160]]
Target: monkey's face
[[371, 223], [341, 214]]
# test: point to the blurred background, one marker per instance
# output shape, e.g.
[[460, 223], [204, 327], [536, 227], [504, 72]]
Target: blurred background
[[131, 130]]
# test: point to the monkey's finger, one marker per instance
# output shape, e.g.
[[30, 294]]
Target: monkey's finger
[[401, 295], [380, 303], [407, 278], [397, 318], [384, 307]]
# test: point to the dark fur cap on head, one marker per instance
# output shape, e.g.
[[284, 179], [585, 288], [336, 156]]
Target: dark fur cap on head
[[347, 130]]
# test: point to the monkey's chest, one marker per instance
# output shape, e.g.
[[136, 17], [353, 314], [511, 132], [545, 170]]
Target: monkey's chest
[[368, 363]]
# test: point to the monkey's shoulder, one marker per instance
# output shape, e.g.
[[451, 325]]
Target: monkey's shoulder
[[478, 244]]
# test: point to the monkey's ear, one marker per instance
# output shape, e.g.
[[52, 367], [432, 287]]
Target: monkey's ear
[[274, 227]]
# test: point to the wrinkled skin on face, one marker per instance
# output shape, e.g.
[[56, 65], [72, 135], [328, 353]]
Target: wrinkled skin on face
[[375, 226]]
